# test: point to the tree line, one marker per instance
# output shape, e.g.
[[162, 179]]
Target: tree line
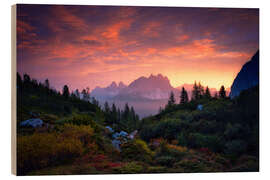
[[198, 92]]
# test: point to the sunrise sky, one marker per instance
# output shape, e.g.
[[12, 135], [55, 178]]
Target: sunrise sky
[[94, 45]]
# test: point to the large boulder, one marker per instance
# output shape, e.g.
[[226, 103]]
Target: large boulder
[[34, 122]]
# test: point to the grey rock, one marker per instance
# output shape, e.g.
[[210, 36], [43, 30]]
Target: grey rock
[[200, 107], [34, 122]]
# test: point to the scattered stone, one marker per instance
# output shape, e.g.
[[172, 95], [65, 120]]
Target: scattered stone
[[116, 143], [110, 129], [200, 107], [34, 122], [133, 134]]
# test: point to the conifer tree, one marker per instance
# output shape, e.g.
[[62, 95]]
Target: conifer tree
[[19, 80], [118, 115], [200, 91], [114, 113], [107, 108], [65, 91], [126, 112], [222, 92], [77, 94], [195, 92], [207, 93], [171, 101], [133, 118], [47, 84], [86, 94], [26, 78], [184, 96]]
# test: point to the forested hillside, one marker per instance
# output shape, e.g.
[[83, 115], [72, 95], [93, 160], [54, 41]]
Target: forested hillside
[[198, 134]]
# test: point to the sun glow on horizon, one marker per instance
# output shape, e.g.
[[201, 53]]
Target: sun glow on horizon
[[89, 46]]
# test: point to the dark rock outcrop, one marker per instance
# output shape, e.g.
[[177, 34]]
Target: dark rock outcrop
[[247, 77]]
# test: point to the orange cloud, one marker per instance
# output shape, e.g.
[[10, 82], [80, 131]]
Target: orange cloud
[[151, 29], [65, 17], [183, 38], [113, 31]]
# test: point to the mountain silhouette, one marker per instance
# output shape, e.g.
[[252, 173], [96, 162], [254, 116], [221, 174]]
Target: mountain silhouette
[[247, 77]]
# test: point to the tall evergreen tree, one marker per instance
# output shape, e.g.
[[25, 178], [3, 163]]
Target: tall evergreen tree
[[222, 92], [86, 94], [95, 102], [114, 113], [47, 84], [118, 115], [126, 112], [184, 96], [19, 80], [133, 118], [216, 95], [171, 100], [107, 108], [195, 92], [207, 93], [77, 94], [65, 91], [26, 78], [200, 90]]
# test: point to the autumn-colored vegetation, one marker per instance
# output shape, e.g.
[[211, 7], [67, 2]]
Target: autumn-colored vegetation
[[221, 137]]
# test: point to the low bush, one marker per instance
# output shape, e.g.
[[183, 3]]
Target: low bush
[[167, 161], [41, 150], [130, 168], [136, 150]]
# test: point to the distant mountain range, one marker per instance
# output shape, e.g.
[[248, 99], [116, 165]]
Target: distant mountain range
[[247, 77], [146, 94], [108, 92], [144, 88]]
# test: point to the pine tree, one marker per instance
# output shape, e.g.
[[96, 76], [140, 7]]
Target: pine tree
[[184, 96], [47, 84], [65, 91], [195, 92], [107, 108], [77, 94], [207, 93], [222, 92], [126, 112], [19, 80], [133, 118], [86, 94], [171, 101], [26, 78], [95, 102], [114, 113], [118, 115], [200, 90]]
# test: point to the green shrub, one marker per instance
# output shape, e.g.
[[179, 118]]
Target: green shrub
[[235, 147], [246, 164], [190, 165], [41, 150], [197, 140], [136, 150], [130, 168], [165, 160]]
